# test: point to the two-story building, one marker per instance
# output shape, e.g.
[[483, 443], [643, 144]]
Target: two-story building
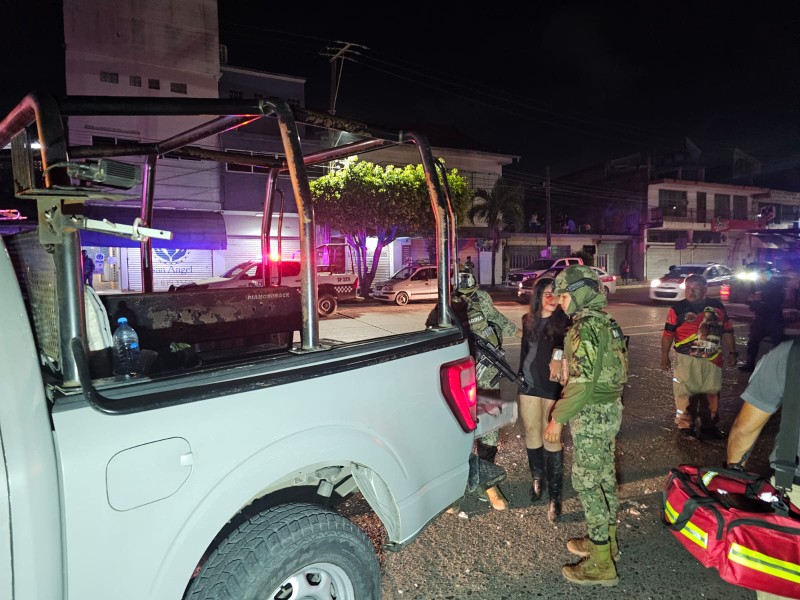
[[689, 221]]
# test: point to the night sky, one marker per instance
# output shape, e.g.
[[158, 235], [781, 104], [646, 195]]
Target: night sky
[[564, 86]]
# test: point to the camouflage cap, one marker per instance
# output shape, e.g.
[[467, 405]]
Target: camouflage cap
[[575, 277]]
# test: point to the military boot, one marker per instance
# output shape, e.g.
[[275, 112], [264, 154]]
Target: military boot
[[580, 546], [595, 569], [554, 467], [536, 465]]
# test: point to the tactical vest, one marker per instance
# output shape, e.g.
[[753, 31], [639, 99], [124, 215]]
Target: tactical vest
[[614, 358], [479, 324]]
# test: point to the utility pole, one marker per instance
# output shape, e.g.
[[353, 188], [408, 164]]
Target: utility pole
[[337, 56], [548, 228]]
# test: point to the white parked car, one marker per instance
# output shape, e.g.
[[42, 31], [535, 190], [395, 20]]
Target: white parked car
[[672, 286], [409, 283]]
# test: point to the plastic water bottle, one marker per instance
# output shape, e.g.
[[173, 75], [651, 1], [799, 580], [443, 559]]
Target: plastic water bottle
[[126, 348]]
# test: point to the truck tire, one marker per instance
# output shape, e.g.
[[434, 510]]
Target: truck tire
[[291, 551], [401, 299], [326, 305]]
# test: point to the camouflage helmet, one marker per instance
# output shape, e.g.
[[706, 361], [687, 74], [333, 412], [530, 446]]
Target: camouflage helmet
[[466, 282], [575, 277]]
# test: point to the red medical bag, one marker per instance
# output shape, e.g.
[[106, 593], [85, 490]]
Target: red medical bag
[[737, 523]]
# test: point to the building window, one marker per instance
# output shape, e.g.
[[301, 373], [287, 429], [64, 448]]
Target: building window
[[701, 207], [740, 208], [179, 156], [673, 203], [109, 77], [178, 88], [722, 206], [154, 84], [135, 81], [235, 94], [668, 236], [239, 168], [706, 237], [101, 140]]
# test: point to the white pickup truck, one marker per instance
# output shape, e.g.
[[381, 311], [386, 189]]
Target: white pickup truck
[[215, 475]]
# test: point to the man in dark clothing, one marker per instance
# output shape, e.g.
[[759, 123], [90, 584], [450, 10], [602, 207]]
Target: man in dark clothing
[[767, 307], [625, 271], [88, 269]]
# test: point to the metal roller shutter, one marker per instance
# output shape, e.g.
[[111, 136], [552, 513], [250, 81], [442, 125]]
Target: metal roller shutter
[[170, 267]]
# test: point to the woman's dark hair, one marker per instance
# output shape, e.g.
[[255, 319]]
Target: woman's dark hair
[[557, 324]]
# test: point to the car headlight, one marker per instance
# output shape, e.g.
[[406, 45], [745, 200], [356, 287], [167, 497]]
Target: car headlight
[[682, 285], [655, 283], [387, 288]]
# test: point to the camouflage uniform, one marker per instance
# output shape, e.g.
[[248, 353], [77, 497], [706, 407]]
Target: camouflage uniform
[[591, 401], [490, 324]]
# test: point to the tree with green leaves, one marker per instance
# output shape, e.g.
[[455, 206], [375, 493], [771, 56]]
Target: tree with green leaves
[[501, 207], [364, 200]]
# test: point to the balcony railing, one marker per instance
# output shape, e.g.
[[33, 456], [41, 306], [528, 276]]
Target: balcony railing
[[692, 215]]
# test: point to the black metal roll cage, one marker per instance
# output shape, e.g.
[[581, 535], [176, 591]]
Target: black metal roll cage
[[58, 201]]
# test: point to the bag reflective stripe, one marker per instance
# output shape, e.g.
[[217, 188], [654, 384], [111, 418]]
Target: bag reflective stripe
[[690, 530], [764, 563]]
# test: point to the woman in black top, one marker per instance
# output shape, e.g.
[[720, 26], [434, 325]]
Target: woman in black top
[[543, 329]]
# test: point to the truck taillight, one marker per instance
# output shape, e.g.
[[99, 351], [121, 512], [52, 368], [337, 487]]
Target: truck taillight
[[725, 292], [460, 390]]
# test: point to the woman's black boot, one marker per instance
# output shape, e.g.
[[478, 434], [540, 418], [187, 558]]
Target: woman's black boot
[[536, 464], [554, 467]]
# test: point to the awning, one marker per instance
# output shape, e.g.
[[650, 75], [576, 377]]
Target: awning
[[198, 229]]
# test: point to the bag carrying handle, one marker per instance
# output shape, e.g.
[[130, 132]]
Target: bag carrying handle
[[689, 507]]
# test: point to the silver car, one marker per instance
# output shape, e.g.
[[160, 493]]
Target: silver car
[[409, 283]]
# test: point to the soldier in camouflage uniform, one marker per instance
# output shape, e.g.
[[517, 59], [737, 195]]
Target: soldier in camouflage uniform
[[591, 403], [491, 325]]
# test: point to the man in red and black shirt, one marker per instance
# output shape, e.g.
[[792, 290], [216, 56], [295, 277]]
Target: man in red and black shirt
[[697, 326]]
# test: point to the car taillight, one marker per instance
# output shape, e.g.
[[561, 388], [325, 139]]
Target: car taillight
[[461, 391], [725, 292], [355, 284]]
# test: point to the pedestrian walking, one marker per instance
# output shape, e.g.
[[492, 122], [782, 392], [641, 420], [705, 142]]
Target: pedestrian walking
[[767, 306], [697, 326], [543, 329], [591, 403], [625, 271], [88, 269]]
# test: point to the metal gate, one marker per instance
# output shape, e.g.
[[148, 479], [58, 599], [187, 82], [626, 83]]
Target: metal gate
[[521, 256]]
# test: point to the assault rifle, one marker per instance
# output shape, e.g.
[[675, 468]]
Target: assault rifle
[[489, 355]]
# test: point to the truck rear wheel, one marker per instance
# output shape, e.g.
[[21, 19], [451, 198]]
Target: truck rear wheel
[[326, 305], [291, 551]]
